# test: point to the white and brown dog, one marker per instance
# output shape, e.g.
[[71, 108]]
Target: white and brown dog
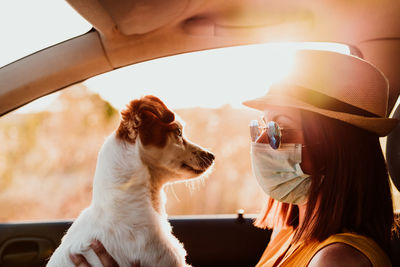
[[127, 212]]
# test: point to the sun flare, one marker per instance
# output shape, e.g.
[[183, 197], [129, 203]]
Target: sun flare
[[210, 79]]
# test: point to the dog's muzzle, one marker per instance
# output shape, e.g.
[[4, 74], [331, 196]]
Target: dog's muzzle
[[205, 159]]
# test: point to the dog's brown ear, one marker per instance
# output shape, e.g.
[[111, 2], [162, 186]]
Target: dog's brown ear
[[148, 117], [155, 106]]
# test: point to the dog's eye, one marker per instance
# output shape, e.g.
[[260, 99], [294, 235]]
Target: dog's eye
[[178, 132]]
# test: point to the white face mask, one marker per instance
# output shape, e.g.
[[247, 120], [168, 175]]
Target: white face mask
[[278, 172]]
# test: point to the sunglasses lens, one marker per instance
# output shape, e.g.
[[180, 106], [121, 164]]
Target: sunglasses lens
[[254, 130], [274, 134]]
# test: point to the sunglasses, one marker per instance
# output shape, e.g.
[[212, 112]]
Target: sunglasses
[[272, 129]]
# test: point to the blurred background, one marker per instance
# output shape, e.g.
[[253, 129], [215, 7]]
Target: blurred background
[[48, 159]]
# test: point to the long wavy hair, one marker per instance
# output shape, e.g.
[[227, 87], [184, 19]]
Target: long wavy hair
[[350, 189]]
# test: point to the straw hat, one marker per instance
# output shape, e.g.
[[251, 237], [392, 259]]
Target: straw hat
[[335, 85]]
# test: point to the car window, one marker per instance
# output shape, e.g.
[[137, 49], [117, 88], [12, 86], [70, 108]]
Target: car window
[[50, 146], [29, 26]]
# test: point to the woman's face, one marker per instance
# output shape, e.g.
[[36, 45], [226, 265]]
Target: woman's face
[[289, 120]]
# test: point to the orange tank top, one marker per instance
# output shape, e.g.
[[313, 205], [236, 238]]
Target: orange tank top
[[300, 255]]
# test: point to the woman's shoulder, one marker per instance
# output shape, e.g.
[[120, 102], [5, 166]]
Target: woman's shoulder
[[339, 254], [349, 249]]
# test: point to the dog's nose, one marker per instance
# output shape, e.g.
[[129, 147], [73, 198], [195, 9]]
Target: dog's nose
[[207, 155], [205, 159], [210, 156]]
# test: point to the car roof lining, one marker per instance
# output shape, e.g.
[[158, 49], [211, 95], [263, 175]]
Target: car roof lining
[[118, 41]]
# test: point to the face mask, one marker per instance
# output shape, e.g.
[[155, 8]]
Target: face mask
[[278, 172]]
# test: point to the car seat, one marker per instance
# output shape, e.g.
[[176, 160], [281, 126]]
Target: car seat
[[393, 160]]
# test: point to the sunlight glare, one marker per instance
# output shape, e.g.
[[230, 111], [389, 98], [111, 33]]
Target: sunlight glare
[[210, 79], [225, 76]]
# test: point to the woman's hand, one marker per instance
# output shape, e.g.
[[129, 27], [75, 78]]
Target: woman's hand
[[105, 258]]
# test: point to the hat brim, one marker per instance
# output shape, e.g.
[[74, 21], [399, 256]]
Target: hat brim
[[377, 125]]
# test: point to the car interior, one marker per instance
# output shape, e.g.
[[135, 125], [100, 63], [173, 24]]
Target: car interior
[[130, 32]]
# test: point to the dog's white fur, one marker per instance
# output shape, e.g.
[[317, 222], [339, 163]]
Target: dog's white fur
[[127, 213]]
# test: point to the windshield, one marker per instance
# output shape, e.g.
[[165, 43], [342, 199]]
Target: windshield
[[51, 145]]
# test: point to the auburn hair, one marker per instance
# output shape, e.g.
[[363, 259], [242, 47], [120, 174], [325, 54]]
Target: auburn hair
[[349, 191]]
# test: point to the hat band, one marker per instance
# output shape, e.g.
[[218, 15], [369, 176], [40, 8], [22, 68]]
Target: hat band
[[319, 100]]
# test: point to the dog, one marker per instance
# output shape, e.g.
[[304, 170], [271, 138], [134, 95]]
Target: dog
[[127, 213]]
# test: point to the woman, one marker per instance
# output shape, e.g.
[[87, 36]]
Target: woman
[[320, 161], [335, 207]]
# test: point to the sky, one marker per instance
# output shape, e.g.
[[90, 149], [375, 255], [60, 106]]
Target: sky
[[28, 26], [205, 79]]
